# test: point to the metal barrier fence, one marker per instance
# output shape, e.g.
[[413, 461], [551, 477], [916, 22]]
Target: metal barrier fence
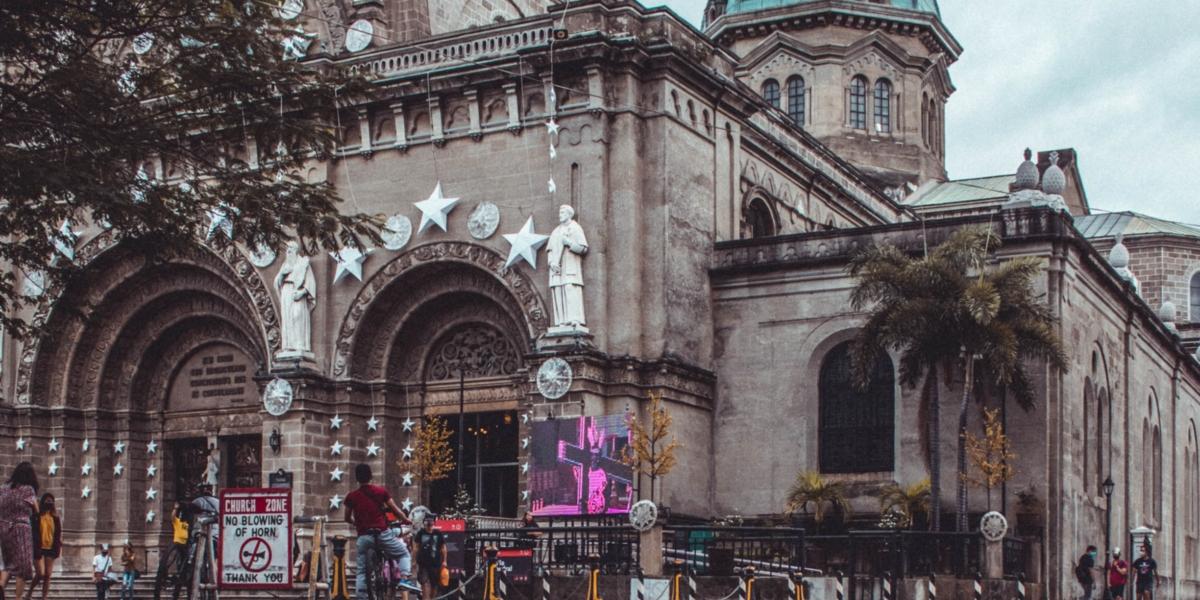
[[903, 553], [565, 549], [772, 551], [1016, 557]]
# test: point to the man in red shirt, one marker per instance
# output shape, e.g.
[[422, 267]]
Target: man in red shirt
[[366, 510]]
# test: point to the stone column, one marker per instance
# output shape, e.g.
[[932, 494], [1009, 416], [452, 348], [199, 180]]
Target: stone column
[[651, 554], [993, 559]]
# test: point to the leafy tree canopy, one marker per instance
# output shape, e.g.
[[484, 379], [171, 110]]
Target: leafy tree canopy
[[147, 116]]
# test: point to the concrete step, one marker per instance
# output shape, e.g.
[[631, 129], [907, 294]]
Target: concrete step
[[82, 588]]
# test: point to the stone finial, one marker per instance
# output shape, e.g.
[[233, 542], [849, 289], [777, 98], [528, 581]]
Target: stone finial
[[1166, 314], [1118, 255], [1054, 181], [1027, 174]]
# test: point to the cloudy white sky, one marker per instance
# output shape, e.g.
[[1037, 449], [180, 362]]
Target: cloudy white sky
[[1114, 79]]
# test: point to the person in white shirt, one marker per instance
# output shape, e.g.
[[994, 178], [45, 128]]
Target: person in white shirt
[[102, 573]]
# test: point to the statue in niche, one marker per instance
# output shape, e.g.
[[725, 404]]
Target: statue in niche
[[566, 248], [297, 297]]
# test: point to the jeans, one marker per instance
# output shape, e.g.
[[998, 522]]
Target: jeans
[[392, 547], [1087, 590], [127, 579], [102, 589]]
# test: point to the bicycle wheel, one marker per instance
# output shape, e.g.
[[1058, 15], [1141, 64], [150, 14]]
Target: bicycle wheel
[[164, 578]]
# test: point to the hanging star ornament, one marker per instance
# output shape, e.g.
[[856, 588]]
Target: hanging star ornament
[[552, 127], [372, 450], [151, 493], [551, 186], [151, 471], [53, 468], [20, 443], [220, 218], [152, 447], [407, 504], [335, 502], [118, 469], [85, 492], [524, 495], [336, 474], [119, 448], [64, 241], [336, 448], [372, 424], [407, 425], [53, 444], [350, 261], [150, 516], [435, 210], [336, 421], [86, 444], [525, 467], [86, 469], [553, 152], [407, 452], [525, 442], [407, 479], [524, 245]]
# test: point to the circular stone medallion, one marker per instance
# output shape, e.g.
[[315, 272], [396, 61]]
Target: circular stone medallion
[[143, 43], [396, 232], [358, 37], [643, 514], [291, 9], [262, 257], [484, 220], [277, 397], [993, 526], [554, 378]]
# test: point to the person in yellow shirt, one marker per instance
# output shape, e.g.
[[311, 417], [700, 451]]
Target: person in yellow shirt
[[179, 526], [47, 535]]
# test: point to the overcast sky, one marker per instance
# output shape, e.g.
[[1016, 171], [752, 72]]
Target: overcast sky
[[1116, 80]]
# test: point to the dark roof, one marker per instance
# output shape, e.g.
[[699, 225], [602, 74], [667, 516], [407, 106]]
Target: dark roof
[[1130, 224], [742, 6]]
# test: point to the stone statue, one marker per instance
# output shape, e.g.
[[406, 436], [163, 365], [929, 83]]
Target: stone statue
[[297, 296], [213, 471], [566, 248]]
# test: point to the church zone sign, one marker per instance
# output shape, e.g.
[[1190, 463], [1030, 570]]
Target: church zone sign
[[256, 539]]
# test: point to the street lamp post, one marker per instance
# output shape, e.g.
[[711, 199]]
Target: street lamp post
[[1108, 486]]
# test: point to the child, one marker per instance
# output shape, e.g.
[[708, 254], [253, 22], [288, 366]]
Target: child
[[47, 537]]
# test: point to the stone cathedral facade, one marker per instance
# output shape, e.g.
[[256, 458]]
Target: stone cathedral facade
[[723, 178]]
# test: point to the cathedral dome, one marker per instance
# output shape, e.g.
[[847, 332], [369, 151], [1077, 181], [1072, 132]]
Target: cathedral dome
[[744, 6]]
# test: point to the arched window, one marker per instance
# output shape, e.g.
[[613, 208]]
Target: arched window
[[759, 220], [925, 119], [770, 92], [1158, 476], [1194, 299], [856, 428], [1101, 437], [933, 127], [795, 100], [1088, 435], [857, 115], [883, 106]]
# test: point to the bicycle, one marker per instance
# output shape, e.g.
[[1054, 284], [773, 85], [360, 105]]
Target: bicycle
[[383, 583], [193, 573]]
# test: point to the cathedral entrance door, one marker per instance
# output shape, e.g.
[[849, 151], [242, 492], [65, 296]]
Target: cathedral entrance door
[[190, 463], [243, 454], [489, 456]]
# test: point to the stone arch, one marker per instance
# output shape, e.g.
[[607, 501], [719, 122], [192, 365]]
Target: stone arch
[[402, 292], [84, 321]]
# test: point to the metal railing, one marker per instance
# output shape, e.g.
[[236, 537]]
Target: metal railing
[[563, 549], [1016, 556], [901, 553], [708, 550]]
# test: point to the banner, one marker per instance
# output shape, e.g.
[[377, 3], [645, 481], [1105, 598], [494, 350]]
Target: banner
[[255, 550], [576, 467]]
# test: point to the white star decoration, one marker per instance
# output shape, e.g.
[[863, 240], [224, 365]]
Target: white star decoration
[[336, 448], [551, 187], [119, 448], [151, 470], [372, 424], [525, 418], [53, 468], [525, 467], [151, 493], [407, 479], [64, 242], [336, 422], [86, 444], [407, 451], [118, 469], [524, 495], [149, 516], [435, 209], [20, 443], [336, 474], [552, 127], [524, 245], [525, 442], [408, 423], [85, 492], [53, 444], [407, 504], [219, 219], [152, 447], [87, 469], [335, 502], [349, 260], [372, 450]]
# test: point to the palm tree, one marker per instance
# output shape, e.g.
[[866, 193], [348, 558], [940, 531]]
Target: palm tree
[[909, 501], [952, 309], [811, 488]]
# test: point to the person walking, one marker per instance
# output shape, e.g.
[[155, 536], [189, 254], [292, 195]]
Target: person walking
[[129, 570], [47, 539], [1146, 570], [102, 574], [431, 557], [1084, 574], [18, 504], [1118, 576]]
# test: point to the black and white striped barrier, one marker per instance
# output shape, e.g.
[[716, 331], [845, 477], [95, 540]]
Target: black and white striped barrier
[[978, 586], [839, 587], [691, 581], [1020, 586], [545, 585], [931, 589], [888, 594], [641, 584], [501, 585]]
